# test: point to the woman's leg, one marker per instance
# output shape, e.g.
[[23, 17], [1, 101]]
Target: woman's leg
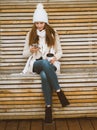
[[44, 65], [48, 97], [46, 89]]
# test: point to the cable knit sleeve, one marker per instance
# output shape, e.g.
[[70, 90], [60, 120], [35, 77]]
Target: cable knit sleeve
[[26, 50]]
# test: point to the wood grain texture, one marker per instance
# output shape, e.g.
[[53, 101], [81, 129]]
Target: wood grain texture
[[21, 96]]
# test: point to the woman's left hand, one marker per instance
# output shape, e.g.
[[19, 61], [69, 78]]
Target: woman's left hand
[[53, 60]]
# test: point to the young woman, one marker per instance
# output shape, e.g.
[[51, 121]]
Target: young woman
[[43, 41]]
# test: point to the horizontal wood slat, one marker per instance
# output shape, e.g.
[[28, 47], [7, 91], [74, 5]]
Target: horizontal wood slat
[[21, 95]]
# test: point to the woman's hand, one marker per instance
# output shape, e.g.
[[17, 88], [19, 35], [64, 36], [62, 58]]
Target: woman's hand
[[34, 49], [53, 60]]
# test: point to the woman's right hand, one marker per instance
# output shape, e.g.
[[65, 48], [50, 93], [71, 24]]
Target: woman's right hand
[[34, 49]]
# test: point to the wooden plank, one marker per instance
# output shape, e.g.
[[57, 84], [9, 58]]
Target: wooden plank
[[41, 101], [64, 59], [65, 50], [54, 25], [22, 115], [57, 28], [63, 32], [50, 126], [34, 108], [73, 93], [74, 115], [36, 125], [50, 14], [58, 9], [94, 122], [2, 125], [52, 17], [25, 106], [79, 80], [20, 42], [78, 105], [61, 124], [59, 4], [20, 67], [24, 125], [73, 124], [86, 124], [12, 125], [81, 45], [70, 2], [39, 116]]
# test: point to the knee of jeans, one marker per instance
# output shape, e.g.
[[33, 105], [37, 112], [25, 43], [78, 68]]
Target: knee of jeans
[[43, 75], [45, 63]]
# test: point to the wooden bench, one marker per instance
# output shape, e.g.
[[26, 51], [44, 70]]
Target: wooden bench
[[21, 97]]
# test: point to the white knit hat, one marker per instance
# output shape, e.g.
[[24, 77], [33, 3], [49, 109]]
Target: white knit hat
[[40, 14]]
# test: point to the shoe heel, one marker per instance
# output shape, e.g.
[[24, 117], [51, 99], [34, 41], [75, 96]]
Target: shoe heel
[[48, 115]]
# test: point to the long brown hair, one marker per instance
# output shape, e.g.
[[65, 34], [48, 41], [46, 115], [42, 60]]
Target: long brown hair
[[50, 35]]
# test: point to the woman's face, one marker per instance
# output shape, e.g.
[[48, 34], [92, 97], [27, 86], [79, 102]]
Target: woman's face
[[40, 25]]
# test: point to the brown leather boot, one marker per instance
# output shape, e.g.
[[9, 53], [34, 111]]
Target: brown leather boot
[[48, 114], [64, 101]]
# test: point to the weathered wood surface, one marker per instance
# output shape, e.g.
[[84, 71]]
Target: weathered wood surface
[[58, 124], [21, 96]]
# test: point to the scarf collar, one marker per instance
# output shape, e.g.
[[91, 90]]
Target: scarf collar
[[41, 33]]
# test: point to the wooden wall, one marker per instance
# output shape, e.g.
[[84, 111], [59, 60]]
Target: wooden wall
[[21, 1], [76, 25], [21, 96]]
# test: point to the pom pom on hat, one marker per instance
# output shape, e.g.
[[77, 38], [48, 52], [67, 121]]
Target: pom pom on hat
[[40, 14], [40, 6]]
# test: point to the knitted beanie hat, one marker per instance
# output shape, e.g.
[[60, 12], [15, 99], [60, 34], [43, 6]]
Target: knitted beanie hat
[[40, 14]]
